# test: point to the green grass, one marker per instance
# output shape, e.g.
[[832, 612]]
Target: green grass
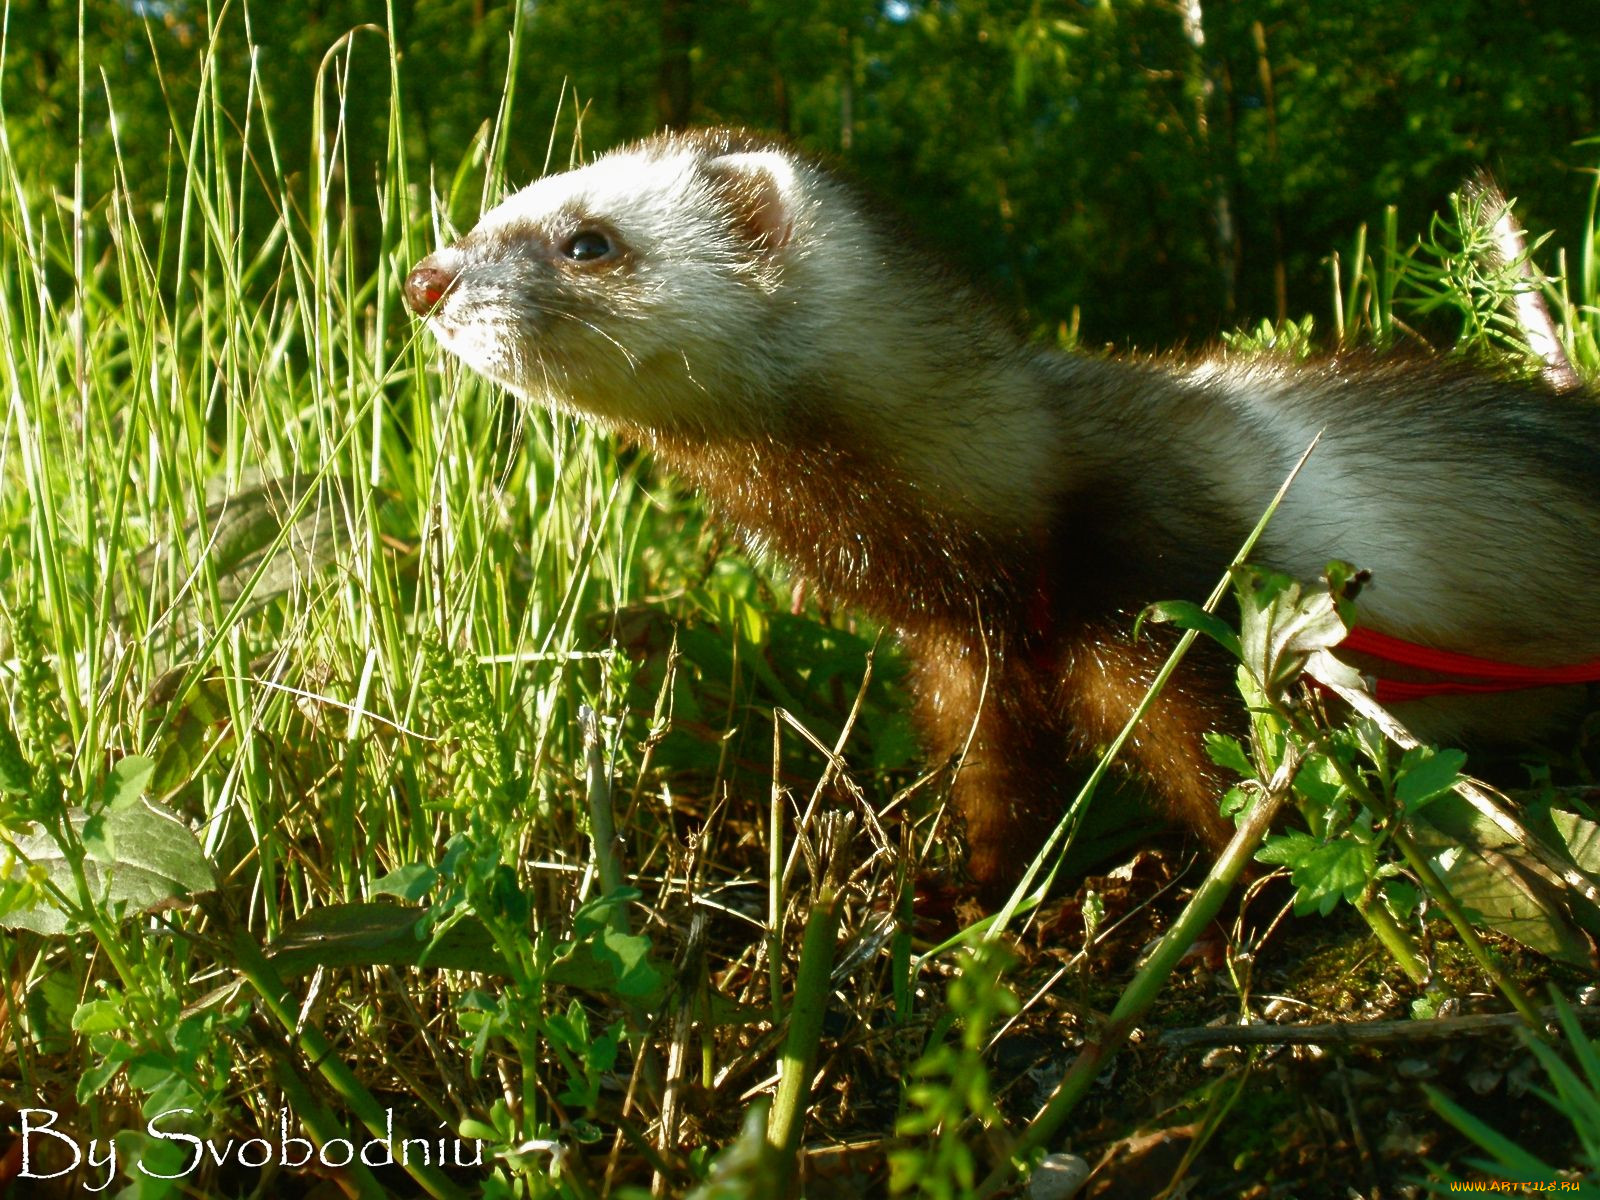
[[274, 564], [254, 536]]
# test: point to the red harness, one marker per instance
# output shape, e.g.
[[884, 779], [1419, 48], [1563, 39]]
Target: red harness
[[1464, 673], [1460, 674]]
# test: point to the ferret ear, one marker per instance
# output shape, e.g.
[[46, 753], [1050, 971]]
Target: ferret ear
[[763, 190]]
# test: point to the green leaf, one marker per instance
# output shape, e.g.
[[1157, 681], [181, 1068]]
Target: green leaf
[[1281, 625], [192, 733], [1499, 885], [747, 1166], [96, 1077], [98, 1016], [1286, 849], [145, 858], [15, 773], [239, 532], [1322, 873], [382, 934], [1186, 614], [1327, 668], [637, 976], [1235, 802], [614, 963], [411, 882], [159, 1156], [1337, 871], [99, 843], [1229, 753], [1401, 897], [1426, 773], [128, 781], [51, 1003], [1580, 836], [1318, 780]]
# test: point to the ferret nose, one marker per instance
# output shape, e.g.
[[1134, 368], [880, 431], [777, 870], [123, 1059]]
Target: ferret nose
[[426, 286]]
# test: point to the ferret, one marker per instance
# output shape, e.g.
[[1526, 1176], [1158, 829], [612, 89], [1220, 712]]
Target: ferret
[[854, 408]]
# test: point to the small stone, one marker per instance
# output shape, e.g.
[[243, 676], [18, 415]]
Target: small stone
[[1058, 1177]]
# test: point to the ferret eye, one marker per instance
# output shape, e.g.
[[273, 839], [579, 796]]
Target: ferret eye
[[586, 245]]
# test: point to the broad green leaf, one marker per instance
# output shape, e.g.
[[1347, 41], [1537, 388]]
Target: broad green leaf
[[239, 531], [96, 1077], [1580, 836], [746, 1166], [1497, 883], [146, 859], [381, 934], [1328, 668], [1236, 801], [637, 976], [99, 841], [615, 963], [1286, 849], [410, 883], [128, 781], [1502, 892]]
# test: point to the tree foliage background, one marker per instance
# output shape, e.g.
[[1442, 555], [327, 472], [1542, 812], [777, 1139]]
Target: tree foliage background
[[1165, 167]]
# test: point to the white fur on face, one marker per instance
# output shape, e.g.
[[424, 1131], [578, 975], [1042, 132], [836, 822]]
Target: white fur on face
[[657, 342], [702, 334]]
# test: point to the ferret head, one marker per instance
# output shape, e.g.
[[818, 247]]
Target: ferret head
[[641, 289]]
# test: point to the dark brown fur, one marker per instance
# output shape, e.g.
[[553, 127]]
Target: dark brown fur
[[1017, 673]]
